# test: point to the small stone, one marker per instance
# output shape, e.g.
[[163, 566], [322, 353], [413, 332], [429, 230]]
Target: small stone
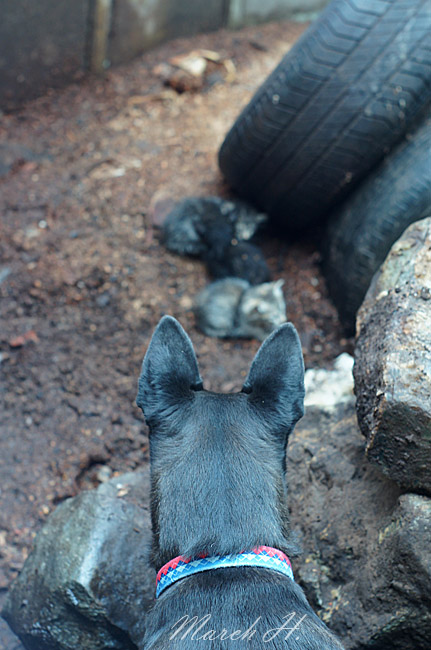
[[104, 299], [19, 341], [186, 302], [4, 273], [104, 473], [329, 388]]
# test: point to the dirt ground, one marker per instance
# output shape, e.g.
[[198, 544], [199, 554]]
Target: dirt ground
[[84, 278]]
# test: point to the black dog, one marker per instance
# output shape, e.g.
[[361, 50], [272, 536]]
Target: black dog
[[218, 495]]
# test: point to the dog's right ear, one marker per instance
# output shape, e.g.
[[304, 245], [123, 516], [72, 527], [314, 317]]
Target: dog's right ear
[[169, 372]]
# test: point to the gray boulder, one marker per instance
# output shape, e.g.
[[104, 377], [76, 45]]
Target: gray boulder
[[393, 362], [366, 562], [88, 583]]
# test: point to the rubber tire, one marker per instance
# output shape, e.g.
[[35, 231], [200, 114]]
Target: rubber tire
[[336, 104], [361, 234]]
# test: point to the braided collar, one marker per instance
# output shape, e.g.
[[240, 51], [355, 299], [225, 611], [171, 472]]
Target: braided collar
[[263, 556]]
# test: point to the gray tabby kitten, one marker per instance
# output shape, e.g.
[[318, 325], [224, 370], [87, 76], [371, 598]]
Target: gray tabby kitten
[[233, 308]]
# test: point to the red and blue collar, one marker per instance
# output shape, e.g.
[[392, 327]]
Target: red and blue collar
[[181, 567]]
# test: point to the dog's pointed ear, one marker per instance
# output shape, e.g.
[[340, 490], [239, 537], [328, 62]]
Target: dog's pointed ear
[[169, 372], [275, 382]]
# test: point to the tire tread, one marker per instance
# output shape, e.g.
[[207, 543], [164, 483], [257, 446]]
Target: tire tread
[[276, 152]]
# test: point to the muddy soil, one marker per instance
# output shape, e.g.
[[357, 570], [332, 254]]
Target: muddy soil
[[84, 176]]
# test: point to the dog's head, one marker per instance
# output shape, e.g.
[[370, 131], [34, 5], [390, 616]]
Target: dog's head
[[218, 460]]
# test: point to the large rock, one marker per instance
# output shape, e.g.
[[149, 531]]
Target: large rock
[[366, 563], [88, 582], [393, 362]]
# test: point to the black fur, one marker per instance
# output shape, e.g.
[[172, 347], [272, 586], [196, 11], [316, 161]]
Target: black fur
[[225, 256], [217, 466], [218, 231], [239, 260]]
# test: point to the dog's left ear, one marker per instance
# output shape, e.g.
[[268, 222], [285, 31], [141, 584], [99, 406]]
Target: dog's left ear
[[275, 383], [170, 373]]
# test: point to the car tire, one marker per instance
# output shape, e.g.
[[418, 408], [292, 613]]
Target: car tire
[[361, 233], [339, 101]]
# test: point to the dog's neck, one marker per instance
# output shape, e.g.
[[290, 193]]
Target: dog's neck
[[222, 514]]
